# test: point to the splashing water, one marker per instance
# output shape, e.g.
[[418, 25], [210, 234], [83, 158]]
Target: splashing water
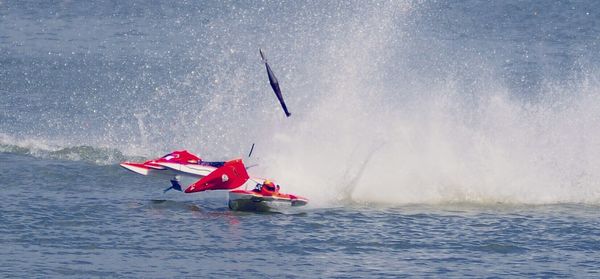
[[389, 104]]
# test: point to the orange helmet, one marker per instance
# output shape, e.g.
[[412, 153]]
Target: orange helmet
[[269, 186]]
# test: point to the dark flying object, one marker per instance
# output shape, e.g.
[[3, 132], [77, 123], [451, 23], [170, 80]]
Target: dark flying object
[[274, 84]]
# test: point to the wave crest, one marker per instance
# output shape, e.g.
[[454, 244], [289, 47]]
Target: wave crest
[[43, 149]]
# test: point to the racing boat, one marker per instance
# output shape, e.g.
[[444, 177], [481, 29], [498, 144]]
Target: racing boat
[[229, 175], [265, 193]]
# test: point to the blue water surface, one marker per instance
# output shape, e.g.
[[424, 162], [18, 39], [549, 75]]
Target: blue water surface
[[86, 85]]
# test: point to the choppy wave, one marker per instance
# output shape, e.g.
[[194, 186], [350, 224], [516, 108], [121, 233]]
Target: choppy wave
[[42, 149]]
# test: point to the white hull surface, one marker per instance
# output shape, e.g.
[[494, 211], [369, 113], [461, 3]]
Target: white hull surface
[[168, 170], [249, 201]]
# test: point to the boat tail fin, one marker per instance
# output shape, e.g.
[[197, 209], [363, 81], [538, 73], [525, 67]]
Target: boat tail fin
[[230, 176]]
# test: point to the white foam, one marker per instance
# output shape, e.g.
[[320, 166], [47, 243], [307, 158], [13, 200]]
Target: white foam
[[439, 142]]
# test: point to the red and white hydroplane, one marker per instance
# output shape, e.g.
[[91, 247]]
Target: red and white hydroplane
[[230, 175]]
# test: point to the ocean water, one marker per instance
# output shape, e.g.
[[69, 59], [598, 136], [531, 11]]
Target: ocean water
[[433, 138]]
